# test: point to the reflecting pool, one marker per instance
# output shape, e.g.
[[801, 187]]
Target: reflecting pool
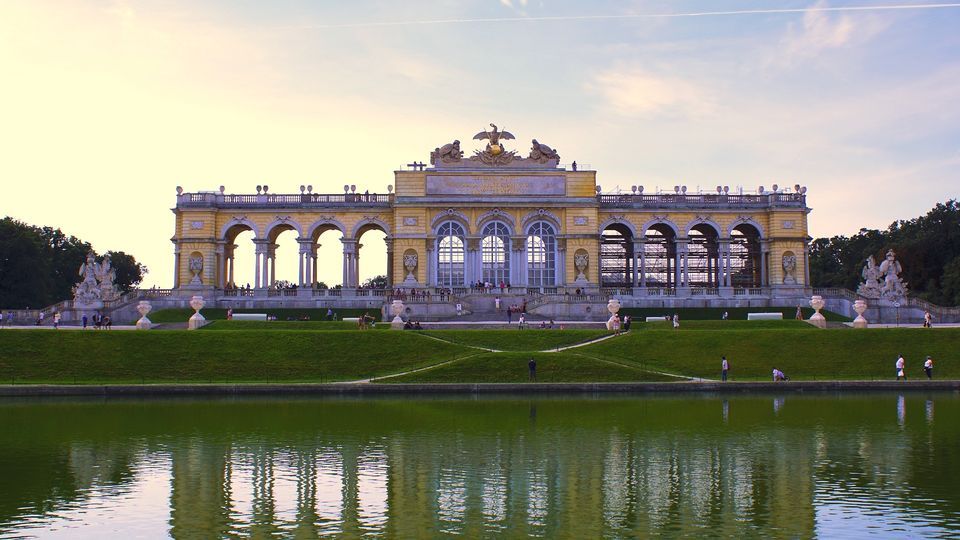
[[828, 465]]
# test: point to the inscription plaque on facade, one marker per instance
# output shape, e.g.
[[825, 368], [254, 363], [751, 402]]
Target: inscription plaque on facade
[[494, 185]]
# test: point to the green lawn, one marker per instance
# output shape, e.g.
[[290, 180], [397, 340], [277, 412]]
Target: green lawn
[[517, 340], [239, 356], [802, 354], [175, 315], [312, 353], [286, 325], [511, 367]]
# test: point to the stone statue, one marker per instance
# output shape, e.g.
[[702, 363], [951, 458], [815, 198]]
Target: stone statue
[[870, 288], [448, 153], [494, 136], [196, 268], [542, 153], [894, 287], [106, 275], [87, 292], [789, 268], [494, 153]]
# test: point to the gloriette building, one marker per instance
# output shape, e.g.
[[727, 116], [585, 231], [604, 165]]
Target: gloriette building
[[521, 221]]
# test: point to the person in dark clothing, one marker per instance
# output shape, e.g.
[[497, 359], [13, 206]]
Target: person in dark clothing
[[532, 366]]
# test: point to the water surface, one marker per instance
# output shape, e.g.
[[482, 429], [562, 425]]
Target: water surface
[[845, 465]]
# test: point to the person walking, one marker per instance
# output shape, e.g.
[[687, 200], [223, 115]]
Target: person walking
[[724, 368], [496, 304], [509, 314], [532, 367], [523, 320], [676, 321], [799, 313], [927, 320], [459, 309], [928, 368], [901, 367], [84, 321], [1, 319], [56, 320]]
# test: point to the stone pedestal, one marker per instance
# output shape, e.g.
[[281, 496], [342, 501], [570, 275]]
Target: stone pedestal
[[860, 306], [143, 308], [196, 320], [818, 320]]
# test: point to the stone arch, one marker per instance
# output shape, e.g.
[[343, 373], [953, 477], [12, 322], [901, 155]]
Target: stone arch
[[496, 215], [618, 220], [324, 224], [450, 214], [703, 221], [745, 220], [268, 231], [541, 214], [368, 224], [242, 220], [660, 221]]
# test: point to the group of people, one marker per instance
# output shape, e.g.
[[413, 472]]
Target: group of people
[[901, 367], [412, 325], [99, 321], [487, 286]]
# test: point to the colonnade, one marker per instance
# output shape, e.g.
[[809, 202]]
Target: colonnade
[[720, 267], [265, 263]]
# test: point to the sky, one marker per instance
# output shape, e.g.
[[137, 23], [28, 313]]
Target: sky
[[107, 106]]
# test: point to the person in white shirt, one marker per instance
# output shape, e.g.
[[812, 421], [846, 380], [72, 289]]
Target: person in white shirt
[[928, 368], [724, 367], [901, 364]]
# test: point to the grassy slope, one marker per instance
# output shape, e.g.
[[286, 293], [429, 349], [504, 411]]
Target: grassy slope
[[801, 354], [517, 340], [512, 368], [239, 356]]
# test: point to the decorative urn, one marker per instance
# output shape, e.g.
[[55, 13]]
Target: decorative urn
[[860, 305], [396, 308], [196, 320], [143, 308], [818, 320], [613, 306]]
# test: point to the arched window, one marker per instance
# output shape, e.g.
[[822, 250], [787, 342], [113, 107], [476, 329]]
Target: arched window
[[541, 255], [450, 255], [495, 252]]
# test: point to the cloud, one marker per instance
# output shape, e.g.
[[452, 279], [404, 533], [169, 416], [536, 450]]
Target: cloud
[[637, 92], [821, 30]]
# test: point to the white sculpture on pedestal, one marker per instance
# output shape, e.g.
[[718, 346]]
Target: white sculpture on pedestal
[[894, 288], [860, 306], [396, 308], [818, 320], [410, 261], [196, 320], [143, 308], [581, 259], [613, 306]]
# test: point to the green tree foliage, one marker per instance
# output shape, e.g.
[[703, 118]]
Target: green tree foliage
[[39, 265], [928, 248], [377, 282], [129, 272]]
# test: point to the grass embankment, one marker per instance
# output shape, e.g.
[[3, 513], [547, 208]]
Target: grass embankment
[[511, 367], [801, 353], [517, 340], [648, 351], [118, 357], [181, 315]]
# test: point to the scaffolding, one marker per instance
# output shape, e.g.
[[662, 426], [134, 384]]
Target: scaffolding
[[616, 257]]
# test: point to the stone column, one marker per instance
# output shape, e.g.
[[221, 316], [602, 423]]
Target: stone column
[[723, 261], [561, 270], [260, 263], [389, 242], [272, 253], [806, 264], [639, 262], [431, 255], [220, 270], [176, 268], [350, 247], [519, 245], [470, 275], [305, 267], [764, 264]]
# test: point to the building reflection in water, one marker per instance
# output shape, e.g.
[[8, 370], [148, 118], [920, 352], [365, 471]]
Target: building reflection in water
[[585, 468]]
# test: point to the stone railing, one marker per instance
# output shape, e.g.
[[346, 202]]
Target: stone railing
[[296, 200], [701, 200]]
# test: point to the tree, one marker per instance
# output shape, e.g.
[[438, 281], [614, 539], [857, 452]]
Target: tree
[[376, 282], [925, 246], [129, 272], [25, 276]]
